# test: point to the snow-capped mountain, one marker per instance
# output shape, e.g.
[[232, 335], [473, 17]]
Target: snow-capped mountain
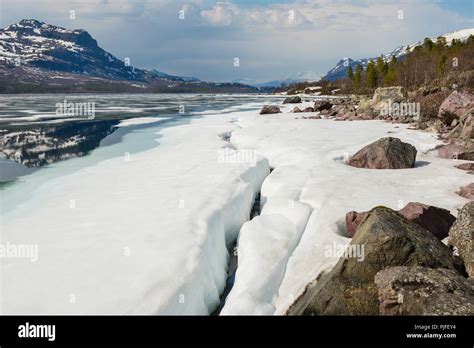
[[304, 76], [340, 69], [55, 48], [161, 74], [34, 53]]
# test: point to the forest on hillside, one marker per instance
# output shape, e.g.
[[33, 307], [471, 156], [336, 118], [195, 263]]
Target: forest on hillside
[[432, 64]]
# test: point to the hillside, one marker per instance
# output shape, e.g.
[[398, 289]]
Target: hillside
[[36, 57]]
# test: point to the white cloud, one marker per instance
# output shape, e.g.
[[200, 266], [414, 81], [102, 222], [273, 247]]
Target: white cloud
[[270, 41], [221, 14]]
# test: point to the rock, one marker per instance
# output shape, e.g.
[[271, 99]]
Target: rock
[[321, 105], [386, 97], [270, 109], [395, 94], [463, 151], [465, 166], [424, 291], [296, 109], [308, 109], [292, 100], [387, 239], [467, 191], [455, 106], [461, 236], [467, 131], [436, 220], [365, 108], [353, 220], [385, 153]]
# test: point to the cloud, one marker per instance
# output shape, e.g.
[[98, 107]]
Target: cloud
[[272, 39], [221, 14]]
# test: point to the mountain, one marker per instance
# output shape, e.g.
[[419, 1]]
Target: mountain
[[40, 57], [305, 76], [340, 69]]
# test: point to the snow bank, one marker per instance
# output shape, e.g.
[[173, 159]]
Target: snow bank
[[143, 233], [308, 157]]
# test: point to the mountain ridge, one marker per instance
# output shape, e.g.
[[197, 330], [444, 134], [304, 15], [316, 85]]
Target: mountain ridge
[[340, 69], [36, 56]]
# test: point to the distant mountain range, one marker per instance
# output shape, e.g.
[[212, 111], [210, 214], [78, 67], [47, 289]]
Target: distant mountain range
[[340, 69], [39, 57], [305, 76]]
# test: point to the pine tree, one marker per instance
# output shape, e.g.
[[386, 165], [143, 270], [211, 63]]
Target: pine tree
[[391, 77], [350, 74], [441, 42], [372, 76], [442, 64], [428, 44], [358, 76]]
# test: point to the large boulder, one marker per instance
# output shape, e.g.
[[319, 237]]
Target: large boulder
[[467, 191], [364, 109], [395, 94], [292, 100], [436, 220], [424, 291], [461, 236], [269, 109], [455, 106], [385, 153], [388, 239]]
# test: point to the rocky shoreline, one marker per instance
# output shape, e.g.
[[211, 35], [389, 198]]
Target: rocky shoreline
[[406, 269]]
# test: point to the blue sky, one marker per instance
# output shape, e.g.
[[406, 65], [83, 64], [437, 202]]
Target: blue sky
[[272, 39]]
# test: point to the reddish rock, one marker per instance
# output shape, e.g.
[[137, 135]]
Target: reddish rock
[[467, 191], [467, 131], [436, 220], [385, 153], [296, 109], [466, 166], [457, 151], [270, 109], [456, 105], [353, 220], [308, 109]]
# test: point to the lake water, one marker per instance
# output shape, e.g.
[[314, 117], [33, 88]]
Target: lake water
[[21, 112]]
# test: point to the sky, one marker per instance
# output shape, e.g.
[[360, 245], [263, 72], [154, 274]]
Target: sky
[[269, 39]]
